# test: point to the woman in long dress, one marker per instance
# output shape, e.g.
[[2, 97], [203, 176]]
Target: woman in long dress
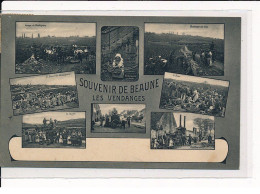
[[69, 140], [170, 143], [30, 138], [37, 138], [61, 139]]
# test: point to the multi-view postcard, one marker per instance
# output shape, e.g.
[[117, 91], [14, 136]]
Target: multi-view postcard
[[54, 130], [54, 47], [185, 131], [120, 53], [120, 92], [43, 93], [194, 94], [190, 49]]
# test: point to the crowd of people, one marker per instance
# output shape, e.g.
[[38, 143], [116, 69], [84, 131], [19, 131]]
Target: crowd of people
[[168, 141], [63, 137], [204, 100], [42, 100], [113, 121], [121, 121]]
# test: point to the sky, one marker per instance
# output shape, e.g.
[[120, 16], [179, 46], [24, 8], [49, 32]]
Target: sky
[[212, 30], [59, 116], [189, 119], [67, 78], [196, 79], [105, 108], [58, 29]]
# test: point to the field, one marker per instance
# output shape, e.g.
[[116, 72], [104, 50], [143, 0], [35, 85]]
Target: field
[[31, 56], [38, 98], [165, 45], [211, 99]]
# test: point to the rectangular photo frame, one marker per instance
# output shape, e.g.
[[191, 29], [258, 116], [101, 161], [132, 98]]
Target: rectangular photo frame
[[55, 47], [194, 94], [182, 131], [120, 53], [54, 130], [43, 93], [189, 48], [118, 118]]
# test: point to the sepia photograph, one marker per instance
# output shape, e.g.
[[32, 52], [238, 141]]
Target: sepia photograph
[[186, 131], [118, 118], [189, 49], [120, 53], [43, 93], [54, 130], [55, 47], [194, 94]]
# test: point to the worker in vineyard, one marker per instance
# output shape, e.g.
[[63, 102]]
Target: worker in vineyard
[[212, 49], [118, 66]]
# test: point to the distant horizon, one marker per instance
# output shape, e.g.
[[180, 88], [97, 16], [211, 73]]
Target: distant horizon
[[193, 79], [35, 36], [59, 116], [202, 30], [53, 119], [184, 35], [66, 78], [57, 29], [196, 82]]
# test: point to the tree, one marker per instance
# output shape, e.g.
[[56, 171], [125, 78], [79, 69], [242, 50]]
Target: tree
[[208, 125], [204, 125]]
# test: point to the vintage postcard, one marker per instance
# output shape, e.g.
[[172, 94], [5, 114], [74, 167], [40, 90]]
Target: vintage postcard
[[186, 131], [54, 47], [136, 91], [54, 130], [194, 94], [118, 118], [120, 53], [190, 49], [43, 93]]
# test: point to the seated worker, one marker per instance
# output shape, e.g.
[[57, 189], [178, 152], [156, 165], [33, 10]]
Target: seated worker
[[118, 67]]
